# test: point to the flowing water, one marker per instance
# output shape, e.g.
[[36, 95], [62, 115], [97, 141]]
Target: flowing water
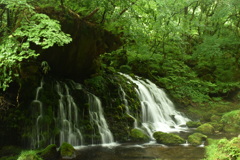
[[140, 152], [97, 117], [157, 114], [158, 111], [68, 116]]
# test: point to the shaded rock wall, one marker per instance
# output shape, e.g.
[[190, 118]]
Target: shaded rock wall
[[78, 59]]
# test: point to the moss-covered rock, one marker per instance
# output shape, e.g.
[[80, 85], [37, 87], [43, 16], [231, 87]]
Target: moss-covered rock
[[168, 138], [218, 127], [138, 135], [49, 153], [215, 118], [29, 155], [206, 128], [231, 121], [193, 124], [196, 138], [67, 151]]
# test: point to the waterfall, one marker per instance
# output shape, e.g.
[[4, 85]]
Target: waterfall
[[97, 117], [123, 98], [65, 120], [158, 111], [38, 136], [68, 116]]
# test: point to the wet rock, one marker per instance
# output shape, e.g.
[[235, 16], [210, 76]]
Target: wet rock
[[196, 138], [49, 153], [138, 135], [206, 128], [193, 124], [67, 151], [168, 138]]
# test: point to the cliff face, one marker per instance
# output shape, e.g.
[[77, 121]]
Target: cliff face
[[78, 59]]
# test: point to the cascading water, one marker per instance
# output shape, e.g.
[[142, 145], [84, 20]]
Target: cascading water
[[97, 117], [158, 111], [68, 116], [123, 97], [38, 136], [63, 119]]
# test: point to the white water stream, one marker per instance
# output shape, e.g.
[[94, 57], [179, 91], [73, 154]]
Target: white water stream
[[158, 111], [97, 117], [68, 117], [157, 114]]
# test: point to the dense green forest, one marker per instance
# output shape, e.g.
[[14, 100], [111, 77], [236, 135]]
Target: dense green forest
[[191, 48]]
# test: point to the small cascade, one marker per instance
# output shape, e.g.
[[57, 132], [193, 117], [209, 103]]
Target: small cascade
[[97, 118], [68, 116], [123, 98], [158, 111], [38, 136]]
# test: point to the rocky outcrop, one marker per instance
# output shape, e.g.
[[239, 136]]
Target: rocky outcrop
[[206, 128], [78, 59], [138, 135], [168, 138], [196, 138]]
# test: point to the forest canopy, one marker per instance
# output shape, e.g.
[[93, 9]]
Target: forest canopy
[[189, 47]]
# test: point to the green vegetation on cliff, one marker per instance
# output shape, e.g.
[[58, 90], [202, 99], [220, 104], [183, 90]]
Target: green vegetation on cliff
[[223, 149]]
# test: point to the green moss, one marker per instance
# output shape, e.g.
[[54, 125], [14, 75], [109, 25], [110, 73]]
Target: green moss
[[29, 155], [217, 126], [206, 128], [138, 135], [196, 138], [215, 118], [67, 151], [193, 124], [231, 121], [168, 138], [49, 153], [223, 149]]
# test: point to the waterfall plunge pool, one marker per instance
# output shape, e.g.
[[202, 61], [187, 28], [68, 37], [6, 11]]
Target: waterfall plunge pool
[[148, 151]]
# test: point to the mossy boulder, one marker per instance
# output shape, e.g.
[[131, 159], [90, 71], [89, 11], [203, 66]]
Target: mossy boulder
[[231, 121], [218, 127], [29, 155], [138, 135], [49, 153], [67, 151], [206, 128], [193, 124], [215, 118], [196, 138], [168, 138]]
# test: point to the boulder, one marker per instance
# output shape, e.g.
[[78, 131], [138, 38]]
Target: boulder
[[206, 128], [193, 124], [196, 138], [138, 135], [67, 151], [168, 138], [49, 153]]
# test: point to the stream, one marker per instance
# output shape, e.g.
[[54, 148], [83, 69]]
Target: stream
[[140, 152]]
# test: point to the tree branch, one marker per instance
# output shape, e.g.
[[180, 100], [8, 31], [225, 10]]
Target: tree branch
[[91, 14], [123, 11]]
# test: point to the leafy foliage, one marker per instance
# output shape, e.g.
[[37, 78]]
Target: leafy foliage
[[224, 149], [30, 27]]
